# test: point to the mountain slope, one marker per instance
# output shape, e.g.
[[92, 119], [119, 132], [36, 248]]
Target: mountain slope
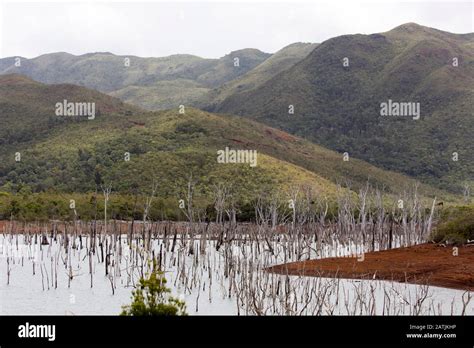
[[168, 146], [278, 62], [231, 66], [131, 77], [28, 107], [339, 106]]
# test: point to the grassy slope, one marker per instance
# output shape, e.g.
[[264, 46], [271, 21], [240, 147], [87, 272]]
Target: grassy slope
[[339, 107], [163, 94]]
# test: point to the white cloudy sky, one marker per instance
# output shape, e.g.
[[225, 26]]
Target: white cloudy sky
[[206, 29]]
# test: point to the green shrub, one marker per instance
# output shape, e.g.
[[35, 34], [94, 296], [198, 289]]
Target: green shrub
[[152, 297], [456, 225]]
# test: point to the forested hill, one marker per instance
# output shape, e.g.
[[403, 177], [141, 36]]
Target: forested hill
[[337, 91]]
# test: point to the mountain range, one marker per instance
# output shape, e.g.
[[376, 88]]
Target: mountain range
[[309, 104], [338, 105]]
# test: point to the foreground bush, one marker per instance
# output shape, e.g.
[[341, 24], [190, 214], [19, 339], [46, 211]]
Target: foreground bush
[[456, 225], [152, 297]]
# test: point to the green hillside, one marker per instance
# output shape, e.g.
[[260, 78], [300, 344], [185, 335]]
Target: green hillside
[[278, 62], [166, 147], [28, 108], [339, 106]]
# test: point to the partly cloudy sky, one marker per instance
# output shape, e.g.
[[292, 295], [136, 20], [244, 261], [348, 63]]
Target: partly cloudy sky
[[207, 29]]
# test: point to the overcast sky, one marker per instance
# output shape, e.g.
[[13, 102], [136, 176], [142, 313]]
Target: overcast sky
[[206, 29]]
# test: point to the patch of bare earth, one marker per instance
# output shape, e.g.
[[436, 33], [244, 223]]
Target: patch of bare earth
[[421, 264]]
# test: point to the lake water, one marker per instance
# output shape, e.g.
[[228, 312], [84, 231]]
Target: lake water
[[205, 281]]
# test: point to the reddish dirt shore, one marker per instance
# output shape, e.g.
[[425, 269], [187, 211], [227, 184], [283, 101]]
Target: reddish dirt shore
[[422, 264]]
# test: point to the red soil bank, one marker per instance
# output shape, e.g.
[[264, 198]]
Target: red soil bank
[[422, 264]]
